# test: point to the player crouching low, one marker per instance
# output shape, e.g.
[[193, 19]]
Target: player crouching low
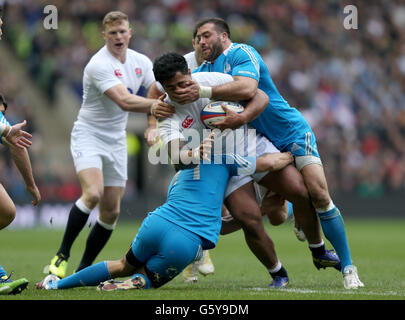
[[162, 249]]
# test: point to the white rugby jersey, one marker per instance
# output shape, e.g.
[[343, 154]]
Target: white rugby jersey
[[103, 72], [187, 116], [186, 123]]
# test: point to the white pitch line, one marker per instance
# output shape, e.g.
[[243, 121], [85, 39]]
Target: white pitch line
[[351, 292]]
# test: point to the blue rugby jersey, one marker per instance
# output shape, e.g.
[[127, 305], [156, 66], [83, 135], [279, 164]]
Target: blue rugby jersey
[[195, 196], [279, 122], [3, 120]]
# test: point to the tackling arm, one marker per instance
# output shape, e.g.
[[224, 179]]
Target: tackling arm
[[184, 158], [273, 161], [131, 102], [253, 109]]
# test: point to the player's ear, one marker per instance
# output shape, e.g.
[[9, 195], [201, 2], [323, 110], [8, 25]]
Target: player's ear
[[189, 71]]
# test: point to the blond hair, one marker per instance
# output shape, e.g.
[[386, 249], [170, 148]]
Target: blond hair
[[114, 17]]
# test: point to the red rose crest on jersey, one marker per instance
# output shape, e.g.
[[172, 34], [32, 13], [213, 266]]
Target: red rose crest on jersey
[[138, 72], [187, 122], [118, 73]]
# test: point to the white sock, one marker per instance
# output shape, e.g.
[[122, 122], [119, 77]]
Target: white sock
[[316, 245], [106, 225], [276, 268], [79, 203], [329, 207]]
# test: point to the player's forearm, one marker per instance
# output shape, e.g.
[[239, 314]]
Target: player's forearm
[[273, 161], [239, 90], [22, 161], [4, 129], [134, 103], [255, 106]]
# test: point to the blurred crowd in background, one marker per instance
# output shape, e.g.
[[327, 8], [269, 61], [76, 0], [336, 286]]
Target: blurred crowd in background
[[349, 84]]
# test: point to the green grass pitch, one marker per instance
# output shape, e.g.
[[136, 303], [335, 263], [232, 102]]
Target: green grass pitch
[[377, 248]]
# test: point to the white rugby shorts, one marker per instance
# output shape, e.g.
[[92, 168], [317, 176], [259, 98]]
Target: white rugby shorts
[[95, 149]]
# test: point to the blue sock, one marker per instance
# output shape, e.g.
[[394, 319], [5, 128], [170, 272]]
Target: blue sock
[[334, 230], [290, 209], [2, 272], [90, 276]]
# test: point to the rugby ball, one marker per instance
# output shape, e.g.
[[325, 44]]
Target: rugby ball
[[213, 112]]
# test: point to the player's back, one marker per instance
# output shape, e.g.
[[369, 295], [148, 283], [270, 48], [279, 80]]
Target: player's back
[[194, 200], [195, 196]]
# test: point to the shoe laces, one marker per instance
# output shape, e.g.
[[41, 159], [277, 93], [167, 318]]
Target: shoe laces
[[61, 258]]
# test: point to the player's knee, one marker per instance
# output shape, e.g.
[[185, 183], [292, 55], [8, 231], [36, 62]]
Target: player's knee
[[92, 197], [319, 195], [109, 216], [251, 221], [7, 216]]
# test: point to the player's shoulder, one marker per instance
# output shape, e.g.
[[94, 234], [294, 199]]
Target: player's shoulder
[[100, 60], [189, 55], [241, 49]]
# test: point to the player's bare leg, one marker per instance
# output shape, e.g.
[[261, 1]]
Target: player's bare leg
[[92, 184], [7, 208], [243, 206], [331, 220], [289, 183]]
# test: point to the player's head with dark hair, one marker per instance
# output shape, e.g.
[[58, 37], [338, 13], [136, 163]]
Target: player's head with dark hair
[[213, 35], [3, 103], [167, 65], [172, 71]]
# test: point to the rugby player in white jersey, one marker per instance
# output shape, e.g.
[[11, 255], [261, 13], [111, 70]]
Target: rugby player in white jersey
[[111, 80], [186, 123]]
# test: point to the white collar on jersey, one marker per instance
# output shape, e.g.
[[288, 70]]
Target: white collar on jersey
[[227, 49]]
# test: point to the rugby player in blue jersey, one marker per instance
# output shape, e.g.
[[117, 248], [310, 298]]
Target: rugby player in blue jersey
[[282, 124], [175, 234], [17, 140]]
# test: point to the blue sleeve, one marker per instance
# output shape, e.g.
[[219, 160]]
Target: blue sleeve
[[244, 62], [3, 120]]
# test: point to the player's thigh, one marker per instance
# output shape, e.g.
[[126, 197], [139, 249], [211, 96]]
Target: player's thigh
[[7, 208], [92, 183], [178, 249], [315, 180], [287, 182], [165, 248], [242, 204]]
